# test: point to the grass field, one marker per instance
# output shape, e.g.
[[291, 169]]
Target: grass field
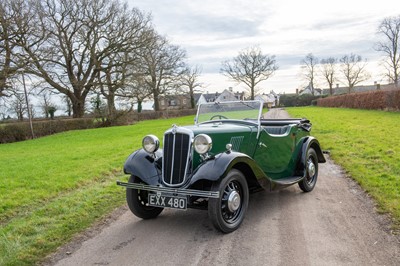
[[367, 145], [54, 187]]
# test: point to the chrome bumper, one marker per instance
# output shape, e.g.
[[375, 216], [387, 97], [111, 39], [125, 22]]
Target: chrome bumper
[[174, 191]]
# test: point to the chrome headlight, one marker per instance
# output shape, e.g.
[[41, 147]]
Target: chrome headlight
[[202, 143], [150, 143]]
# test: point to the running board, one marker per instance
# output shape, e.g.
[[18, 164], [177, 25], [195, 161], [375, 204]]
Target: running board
[[287, 181]]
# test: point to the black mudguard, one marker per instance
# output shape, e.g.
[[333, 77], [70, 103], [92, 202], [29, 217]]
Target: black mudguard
[[216, 168], [142, 165], [309, 142], [312, 142]]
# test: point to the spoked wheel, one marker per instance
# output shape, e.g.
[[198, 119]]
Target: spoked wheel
[[137, 202], [227, 212], [310, 179]]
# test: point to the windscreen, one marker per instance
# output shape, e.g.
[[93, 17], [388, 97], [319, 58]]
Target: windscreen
[[240, 110]]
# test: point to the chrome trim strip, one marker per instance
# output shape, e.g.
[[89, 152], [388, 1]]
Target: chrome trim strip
[[175, 191], [173, 159], [190, 133], [259, 119]]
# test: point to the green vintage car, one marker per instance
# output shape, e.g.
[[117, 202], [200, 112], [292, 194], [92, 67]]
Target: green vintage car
[[215, 164]]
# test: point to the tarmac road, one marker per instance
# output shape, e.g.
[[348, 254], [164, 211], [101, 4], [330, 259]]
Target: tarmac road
[[335, 224]]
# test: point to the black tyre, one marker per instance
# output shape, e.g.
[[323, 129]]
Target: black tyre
[[137, 201], [310, 179], [228, 211]]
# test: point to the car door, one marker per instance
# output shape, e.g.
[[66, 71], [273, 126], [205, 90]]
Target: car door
[[274, 153]]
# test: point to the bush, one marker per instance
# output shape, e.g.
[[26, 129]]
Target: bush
[[298, 100], [376, 100], [12, 132], [19, 131], [150, 115]]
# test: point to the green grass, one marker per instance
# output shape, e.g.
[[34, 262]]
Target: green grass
[[54, 187], [367, 145]]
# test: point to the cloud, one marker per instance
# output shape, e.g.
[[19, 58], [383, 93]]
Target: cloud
[[221, 27], [212, 31]]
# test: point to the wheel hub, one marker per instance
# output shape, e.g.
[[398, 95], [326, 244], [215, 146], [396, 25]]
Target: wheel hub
[[233, 201], [311, 169]]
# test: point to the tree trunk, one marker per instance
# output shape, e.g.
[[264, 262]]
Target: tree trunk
[[192, 103], [78, 108], [156, 101], [350, 88], [139, 106], [253, 87], [111, 105]]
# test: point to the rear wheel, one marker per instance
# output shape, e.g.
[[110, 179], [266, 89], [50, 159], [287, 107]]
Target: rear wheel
[[137, 201], [228, 211], [310, 179]]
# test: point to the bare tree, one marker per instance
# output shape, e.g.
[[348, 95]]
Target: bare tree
[[3, 110], [69, 40], [48, 107], [190, 80], [309, 70], [18, 106], [353, 68], [116, 68], [98, 107], [251, 67], [390, 46], [136, 91], [329, 71], [68, 105], [162, 65], [10, 13]]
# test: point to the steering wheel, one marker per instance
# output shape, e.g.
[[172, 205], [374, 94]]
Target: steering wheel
[[219, 116]]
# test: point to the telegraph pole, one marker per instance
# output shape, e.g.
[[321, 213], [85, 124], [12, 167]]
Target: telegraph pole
[[27, 104]]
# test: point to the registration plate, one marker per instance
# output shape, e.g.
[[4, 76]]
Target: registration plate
[[167, 202]]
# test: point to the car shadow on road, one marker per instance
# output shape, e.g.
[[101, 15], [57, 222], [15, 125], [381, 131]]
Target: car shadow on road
[[262, 205]]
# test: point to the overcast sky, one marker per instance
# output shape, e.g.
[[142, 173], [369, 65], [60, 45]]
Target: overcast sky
[[212, 31]]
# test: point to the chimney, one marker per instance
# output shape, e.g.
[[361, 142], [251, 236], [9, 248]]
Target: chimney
[[230, 89], [297, 91], [337, 85]]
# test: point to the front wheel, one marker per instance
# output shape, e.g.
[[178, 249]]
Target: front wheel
[[310, 178], [137, 202], [227, 212]]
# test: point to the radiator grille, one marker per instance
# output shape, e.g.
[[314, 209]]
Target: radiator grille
[[176, 157]]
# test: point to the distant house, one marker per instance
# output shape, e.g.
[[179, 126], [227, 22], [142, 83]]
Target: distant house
[[226, 95], [229, 95], [180, 101], [361, 88], [266, 99], [210, 97], [308, 90], [269, 100], [201, 99]]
